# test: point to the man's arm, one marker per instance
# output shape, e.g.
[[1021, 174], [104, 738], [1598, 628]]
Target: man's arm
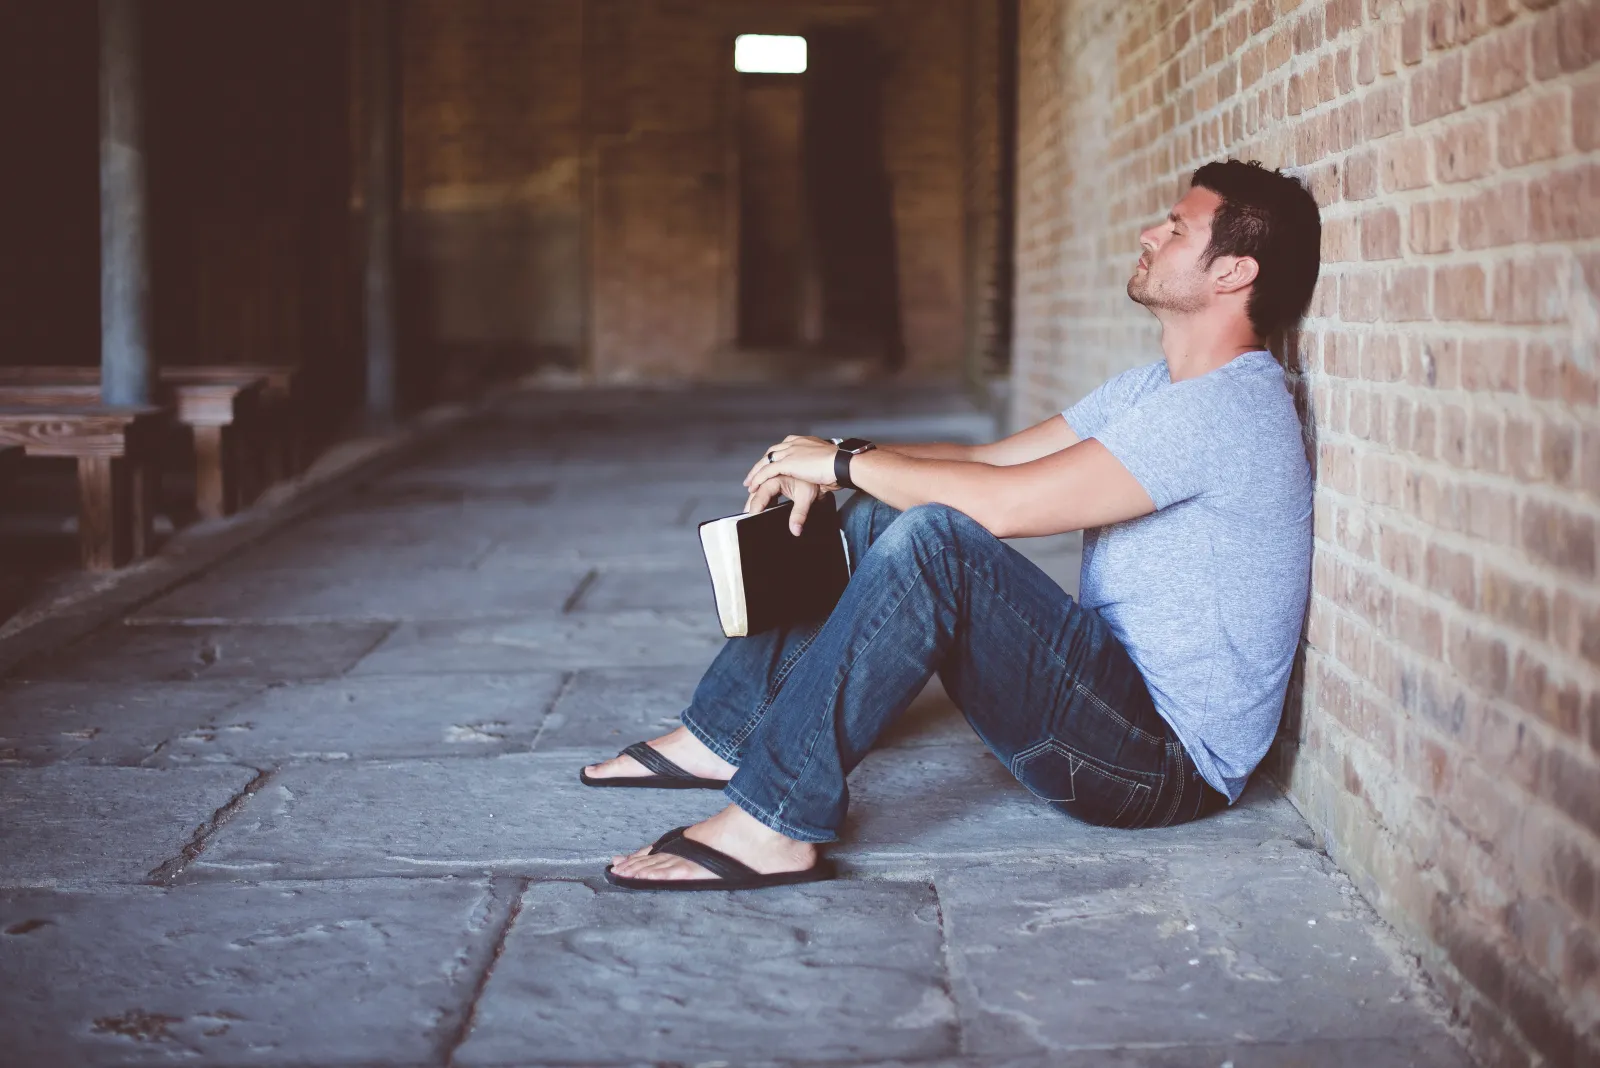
[[1080, 486], [1038, 440]]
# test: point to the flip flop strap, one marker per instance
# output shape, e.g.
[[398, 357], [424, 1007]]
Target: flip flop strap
[[655, 762], [714, 861]]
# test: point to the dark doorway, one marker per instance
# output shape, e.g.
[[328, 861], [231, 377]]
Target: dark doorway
[[773, 272], [817, 260], [849, 196]]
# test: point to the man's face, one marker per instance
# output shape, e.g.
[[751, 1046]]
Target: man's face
[[1169, 276]]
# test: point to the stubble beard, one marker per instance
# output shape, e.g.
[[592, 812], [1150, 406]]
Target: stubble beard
[[1158, 297]]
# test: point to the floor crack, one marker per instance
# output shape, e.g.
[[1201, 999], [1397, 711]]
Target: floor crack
[[169, 870], [469, 1017]]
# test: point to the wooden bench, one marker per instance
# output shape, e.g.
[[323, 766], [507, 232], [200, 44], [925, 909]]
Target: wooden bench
[[279, 409], [116, 450], [219, 413]]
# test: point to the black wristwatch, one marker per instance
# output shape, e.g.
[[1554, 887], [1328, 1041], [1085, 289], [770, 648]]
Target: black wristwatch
[[848, 447]]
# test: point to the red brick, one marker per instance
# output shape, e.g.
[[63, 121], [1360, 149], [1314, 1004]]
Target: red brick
[[1459, 293], [1550, 374], [1534, 131], [1530, 290], [1497, 216], [1461, 152], [1360, 296], [1436, 89], [1432, 226], [1360, 176], [1513, 601], [1441, 24], [1380, 235], [1558, 704], [1559, 537], [1452, 574], [1497, 65], [1490, 364], [1481, 659], [1405, 294], [1405, 164], [1411, 38], [1565, 205], [1586, 117], [1383, 111]]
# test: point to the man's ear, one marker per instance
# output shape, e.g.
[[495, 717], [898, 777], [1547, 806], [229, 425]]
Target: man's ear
[[1238, 272]]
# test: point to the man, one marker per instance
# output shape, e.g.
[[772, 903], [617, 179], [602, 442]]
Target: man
[[1148, 701]]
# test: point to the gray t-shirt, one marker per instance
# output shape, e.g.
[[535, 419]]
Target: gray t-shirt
[[1208, 592]]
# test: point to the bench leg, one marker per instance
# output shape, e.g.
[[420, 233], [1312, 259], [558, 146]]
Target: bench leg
[[105, 519], [146, 481], [213, 496]]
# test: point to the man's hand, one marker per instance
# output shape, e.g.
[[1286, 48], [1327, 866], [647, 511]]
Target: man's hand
[[803, 494], [804, 458]]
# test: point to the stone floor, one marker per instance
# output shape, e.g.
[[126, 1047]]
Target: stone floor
[[319, 806]]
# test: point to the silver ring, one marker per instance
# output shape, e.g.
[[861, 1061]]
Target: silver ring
[[770, 458]]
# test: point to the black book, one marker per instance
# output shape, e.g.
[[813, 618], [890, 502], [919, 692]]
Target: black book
[[763, 576]]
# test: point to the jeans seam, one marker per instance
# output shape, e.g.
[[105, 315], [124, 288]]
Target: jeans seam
[[749, 726], [705, 739], [1109, 770], [1108, 710], [771, 820], [1177, 800]]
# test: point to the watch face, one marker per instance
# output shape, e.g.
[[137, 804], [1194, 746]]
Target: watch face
[[854, 444]]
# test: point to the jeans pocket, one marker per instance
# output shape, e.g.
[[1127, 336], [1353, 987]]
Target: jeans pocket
[[1080, 786]]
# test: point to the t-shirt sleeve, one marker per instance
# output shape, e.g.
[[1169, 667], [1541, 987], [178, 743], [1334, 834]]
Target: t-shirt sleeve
[[1108, 401], [1173, 441]]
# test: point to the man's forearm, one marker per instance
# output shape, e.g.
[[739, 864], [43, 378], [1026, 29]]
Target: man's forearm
[[935, 450], [903, 481]]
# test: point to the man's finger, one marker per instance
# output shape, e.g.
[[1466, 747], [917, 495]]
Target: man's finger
[[802, 508]]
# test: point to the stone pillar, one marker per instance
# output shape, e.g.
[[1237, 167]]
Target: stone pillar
[[381, 204], [126, 367]]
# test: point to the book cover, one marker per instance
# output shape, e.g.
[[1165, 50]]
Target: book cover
[[762, 576]]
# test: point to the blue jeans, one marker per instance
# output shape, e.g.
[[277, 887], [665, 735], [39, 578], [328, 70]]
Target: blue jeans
[[1040, 678]]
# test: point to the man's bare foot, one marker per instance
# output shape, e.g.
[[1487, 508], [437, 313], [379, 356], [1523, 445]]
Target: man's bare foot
[[732, 831], [680, 747]]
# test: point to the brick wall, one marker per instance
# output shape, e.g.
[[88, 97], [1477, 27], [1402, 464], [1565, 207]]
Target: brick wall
[[1443, 731], [568, 175]]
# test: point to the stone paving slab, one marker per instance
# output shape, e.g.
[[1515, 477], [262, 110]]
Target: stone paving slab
[[375, 717], [836, 972], [92, 723], [1440, 1051], [163, 652], [676, 589], [914, 810], [374, 560], [550, 642], [676, 549], [333, 595], [67, 825], [370, 972], [1266, 943], [602, 710], [513, 814]]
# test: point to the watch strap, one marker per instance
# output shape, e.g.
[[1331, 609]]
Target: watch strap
[[841, 469]]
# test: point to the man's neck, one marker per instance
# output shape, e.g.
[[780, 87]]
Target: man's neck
[[1194, 348]]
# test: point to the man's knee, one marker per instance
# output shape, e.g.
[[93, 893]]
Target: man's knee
[[933, 526]]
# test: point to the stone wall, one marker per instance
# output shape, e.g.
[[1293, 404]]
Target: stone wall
[[1443, 731], [568, 175]]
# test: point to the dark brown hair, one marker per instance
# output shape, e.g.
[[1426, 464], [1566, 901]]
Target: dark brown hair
[[1272, 218]]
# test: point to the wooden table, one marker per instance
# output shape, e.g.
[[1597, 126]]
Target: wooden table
[[115, 449]]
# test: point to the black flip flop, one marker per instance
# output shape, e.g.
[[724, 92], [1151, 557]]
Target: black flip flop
[[732, 874], [668, 776]]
